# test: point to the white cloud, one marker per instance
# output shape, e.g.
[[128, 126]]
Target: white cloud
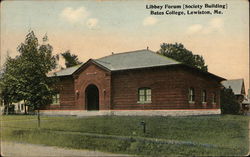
[[150, 20], [74, 15], [79, 15], [194, 28], [92, 22], [214, 25]]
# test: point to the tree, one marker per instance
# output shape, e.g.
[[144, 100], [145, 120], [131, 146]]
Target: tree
[[178, 52], [31, 83], [70, 59], [37, 61], [9, 83], [229, 104]]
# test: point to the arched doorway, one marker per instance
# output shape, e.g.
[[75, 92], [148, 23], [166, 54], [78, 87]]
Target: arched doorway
[[92, 97]]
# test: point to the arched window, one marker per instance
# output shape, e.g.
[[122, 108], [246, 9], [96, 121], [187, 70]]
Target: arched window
[[191, 95], [144, 95], [214, 98], [204, 96]]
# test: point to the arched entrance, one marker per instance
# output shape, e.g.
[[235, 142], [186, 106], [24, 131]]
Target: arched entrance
[[92, 97]]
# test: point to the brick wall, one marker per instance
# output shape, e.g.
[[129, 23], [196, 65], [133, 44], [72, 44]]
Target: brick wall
[[201, 82], [67, 94], [65, 87], [169, 87], [92, 74], [119, 90]]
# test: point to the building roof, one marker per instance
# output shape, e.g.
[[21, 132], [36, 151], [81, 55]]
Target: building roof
[[237, 85], [65, 72], [124, 61], [134, 60], [130, 60]]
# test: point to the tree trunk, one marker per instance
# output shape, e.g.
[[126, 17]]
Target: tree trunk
[[7, 110], [38, 117], [25, 111]]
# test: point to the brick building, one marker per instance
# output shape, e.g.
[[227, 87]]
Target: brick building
[[238, 88], [137, 80]]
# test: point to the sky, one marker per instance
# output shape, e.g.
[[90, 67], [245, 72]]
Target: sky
[[93, 29]]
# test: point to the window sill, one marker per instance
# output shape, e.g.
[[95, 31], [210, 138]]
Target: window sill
[[55, 104], [191, 102], [144, 102]]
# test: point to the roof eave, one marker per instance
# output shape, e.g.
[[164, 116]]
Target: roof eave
[[178, 64], [60, 75], [138, 68], [204, 72]]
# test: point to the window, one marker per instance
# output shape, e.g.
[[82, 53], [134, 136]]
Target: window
[[56, 99], [214, 98], [144, 95], [191, 95], [204, 96]]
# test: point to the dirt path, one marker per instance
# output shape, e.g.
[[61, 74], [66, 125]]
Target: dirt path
[[11, 149]]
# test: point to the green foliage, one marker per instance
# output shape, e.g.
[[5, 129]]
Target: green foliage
[[178, 52], [229, 104], [24, 77], [70, 59], [9, 82]]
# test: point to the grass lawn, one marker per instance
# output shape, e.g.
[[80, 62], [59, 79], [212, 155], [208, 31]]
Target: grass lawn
[[194, 135]]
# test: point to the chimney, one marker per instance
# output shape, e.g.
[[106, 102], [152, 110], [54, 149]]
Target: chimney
[[112, 53], [147, 47]]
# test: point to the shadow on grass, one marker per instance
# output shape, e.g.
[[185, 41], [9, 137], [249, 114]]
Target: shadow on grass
[[115, 144]]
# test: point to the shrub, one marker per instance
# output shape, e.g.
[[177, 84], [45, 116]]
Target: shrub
[[229, 104]]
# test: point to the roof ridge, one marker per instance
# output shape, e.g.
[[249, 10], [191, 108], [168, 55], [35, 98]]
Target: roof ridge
[[142, 50], [167, 57], [101, 61], [125, 52], [236, 79]]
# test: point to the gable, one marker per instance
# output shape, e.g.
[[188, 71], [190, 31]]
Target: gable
[[86, 65]]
